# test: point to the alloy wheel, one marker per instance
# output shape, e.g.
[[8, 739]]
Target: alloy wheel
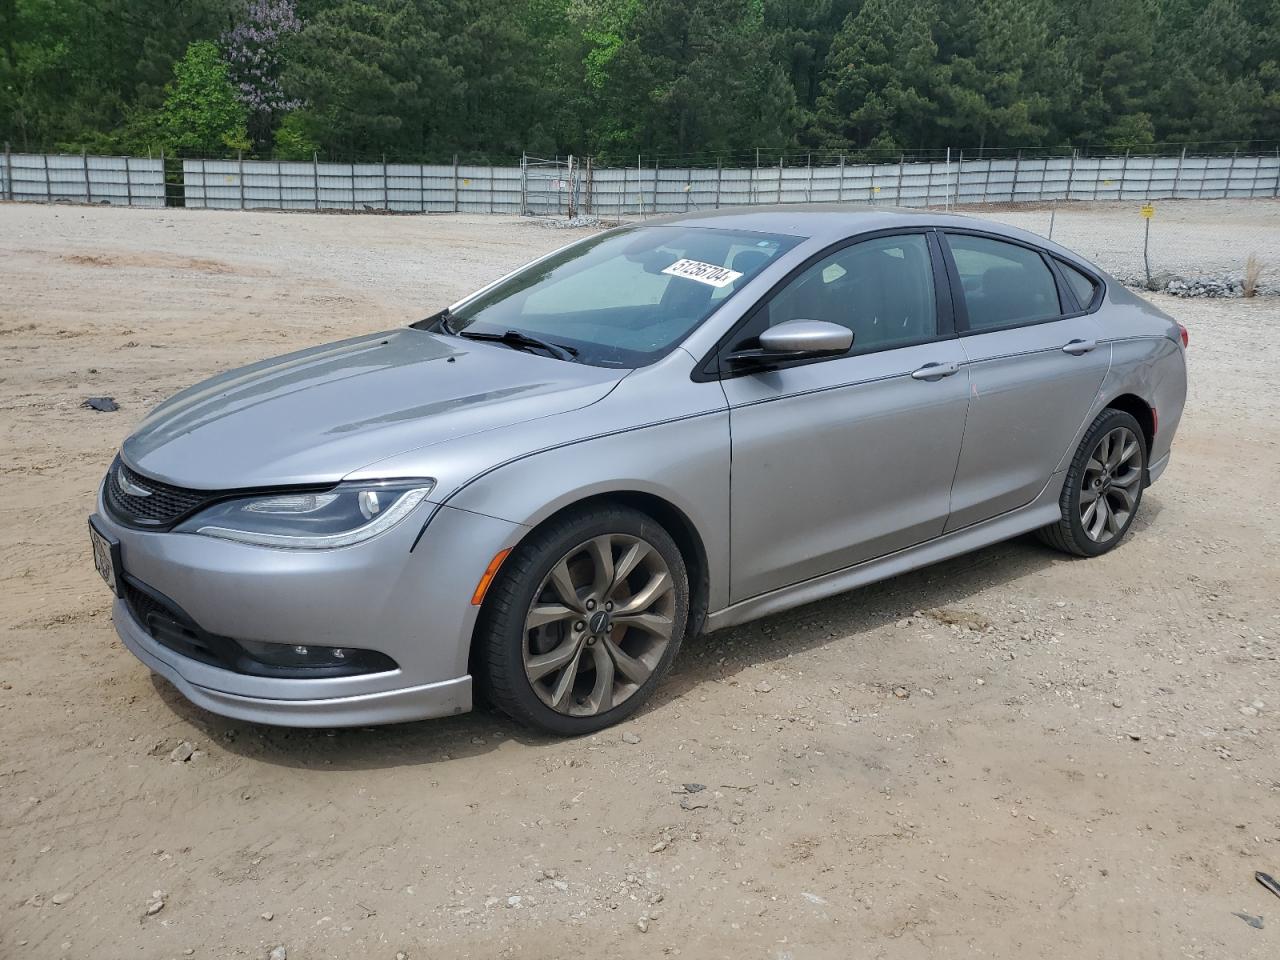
[[599, 624], [1110, 485]]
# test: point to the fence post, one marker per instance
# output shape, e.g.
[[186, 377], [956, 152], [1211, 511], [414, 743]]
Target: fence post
[[902, 165], [955, 202], [1017, 172], [351, 179], [386, 203], [524, 183], [455, 183], [1274, 193], [657, 161], [1124, 175], [1071, 169], [8, 170], [808, 197], [48, 191], [779, 200], [840, 182], [986, 183], [1053, 215], [1177, 174], [315, 179], [572, 205], [240, 174], [719, 174], [1231, 168], [946, 184], [88, 189], [128, 183]]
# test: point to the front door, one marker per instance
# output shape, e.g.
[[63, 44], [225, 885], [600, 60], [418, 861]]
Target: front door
[[841, 460]]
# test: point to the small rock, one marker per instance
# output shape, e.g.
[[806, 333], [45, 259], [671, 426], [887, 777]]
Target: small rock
[[1133, 735], [154, 907], [58, 899], [629, 737], [1117, 704], [694, 787], [643, 924], [658, 847], [689, 803], [813, 898], [401, 955], [278, 953], [514, 901], [182, 752], [1249, 711], [267, 915], [189, 951], [901, 693], [560, 885], [1250, 919], [764, 686]]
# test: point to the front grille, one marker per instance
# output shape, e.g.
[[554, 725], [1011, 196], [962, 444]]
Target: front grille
[[162, 506]]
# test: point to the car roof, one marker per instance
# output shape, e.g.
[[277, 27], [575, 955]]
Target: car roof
[[831, 222]]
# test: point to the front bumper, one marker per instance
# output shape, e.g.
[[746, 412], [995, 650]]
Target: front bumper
[[441, 699], [410, 602]]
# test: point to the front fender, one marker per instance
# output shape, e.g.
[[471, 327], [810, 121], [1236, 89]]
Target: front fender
[[684, 462]]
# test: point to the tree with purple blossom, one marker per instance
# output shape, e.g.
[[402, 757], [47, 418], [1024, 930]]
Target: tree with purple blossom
[[252, 49]]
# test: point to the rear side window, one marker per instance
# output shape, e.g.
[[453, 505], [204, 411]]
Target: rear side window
[[1004, 284], [1081, 285]]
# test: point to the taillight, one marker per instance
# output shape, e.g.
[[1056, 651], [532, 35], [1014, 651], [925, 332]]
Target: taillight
[[1186, 337]]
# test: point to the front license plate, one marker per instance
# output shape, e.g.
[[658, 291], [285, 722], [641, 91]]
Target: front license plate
[[106, 556]]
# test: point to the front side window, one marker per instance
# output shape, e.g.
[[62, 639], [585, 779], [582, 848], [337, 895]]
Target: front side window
[[1004, 284], [881, 289], [625, 298]]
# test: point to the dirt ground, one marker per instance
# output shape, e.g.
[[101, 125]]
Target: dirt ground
[[1011, 754]]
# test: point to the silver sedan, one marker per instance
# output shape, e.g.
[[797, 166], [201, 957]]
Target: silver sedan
[[655, 432]]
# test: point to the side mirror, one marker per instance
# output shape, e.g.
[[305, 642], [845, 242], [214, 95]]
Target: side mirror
[[796, 340]]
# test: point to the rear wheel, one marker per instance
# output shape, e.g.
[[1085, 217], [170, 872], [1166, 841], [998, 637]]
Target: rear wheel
[[1103, 487], [584, 619]]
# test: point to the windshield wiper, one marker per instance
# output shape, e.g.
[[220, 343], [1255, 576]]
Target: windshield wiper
[[522, 341]]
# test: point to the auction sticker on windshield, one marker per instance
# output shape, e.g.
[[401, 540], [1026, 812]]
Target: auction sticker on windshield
[[707, 273]]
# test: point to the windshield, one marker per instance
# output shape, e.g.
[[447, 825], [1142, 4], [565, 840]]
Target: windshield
[[625, 298]]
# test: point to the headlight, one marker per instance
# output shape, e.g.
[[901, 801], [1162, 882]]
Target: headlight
[[349, 513]]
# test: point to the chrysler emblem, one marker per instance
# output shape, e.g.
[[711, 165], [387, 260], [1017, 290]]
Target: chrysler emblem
[[131, 488]]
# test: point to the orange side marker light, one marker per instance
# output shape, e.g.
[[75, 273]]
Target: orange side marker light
[[490, 572]]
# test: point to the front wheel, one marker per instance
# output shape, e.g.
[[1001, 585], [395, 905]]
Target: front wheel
[[1103, 487], [584, 619]]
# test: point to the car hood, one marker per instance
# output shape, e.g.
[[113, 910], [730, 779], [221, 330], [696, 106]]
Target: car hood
[[317, 415]]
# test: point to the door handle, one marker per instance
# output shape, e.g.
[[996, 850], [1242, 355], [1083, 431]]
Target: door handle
[[935, 371], [1079, 347]]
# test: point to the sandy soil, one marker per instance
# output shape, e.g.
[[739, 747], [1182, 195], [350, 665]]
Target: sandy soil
[[1011, 754]]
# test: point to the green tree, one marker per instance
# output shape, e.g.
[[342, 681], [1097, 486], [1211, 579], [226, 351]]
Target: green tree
[[883, 78], [373, 76], [202, 113]]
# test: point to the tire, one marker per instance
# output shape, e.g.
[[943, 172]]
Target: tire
[[1115, 483], [557, 570]]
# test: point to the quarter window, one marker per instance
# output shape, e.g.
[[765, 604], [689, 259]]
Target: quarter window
[[1081, 284], [881, 289], [1004, 284]]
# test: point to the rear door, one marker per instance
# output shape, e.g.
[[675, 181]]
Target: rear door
[[1036, 361], [839, 460]]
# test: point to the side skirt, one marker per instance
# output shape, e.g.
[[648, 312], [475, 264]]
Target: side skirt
[[1041, 512]]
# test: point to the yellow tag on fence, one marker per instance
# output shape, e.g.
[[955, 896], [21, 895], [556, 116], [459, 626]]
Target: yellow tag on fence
[[1148, 211]]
